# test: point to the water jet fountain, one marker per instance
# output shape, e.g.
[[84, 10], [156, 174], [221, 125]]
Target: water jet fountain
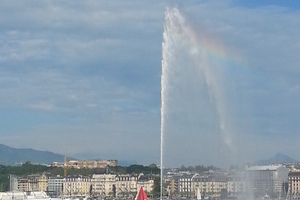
[[193, 97]]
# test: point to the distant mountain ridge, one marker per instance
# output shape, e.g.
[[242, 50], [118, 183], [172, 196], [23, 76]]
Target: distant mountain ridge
[[277, 158], [13, 156]]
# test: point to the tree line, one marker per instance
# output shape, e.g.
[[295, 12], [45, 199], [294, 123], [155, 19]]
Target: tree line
[[28, 168], [198, 168]]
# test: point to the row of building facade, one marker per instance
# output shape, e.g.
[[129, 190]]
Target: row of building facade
[[90, 164], [275, 181], [100, 185]]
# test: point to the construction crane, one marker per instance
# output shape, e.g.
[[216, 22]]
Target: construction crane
[[65, 167]]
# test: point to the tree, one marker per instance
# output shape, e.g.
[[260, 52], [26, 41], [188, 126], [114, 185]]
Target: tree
[[182, 168], [153, 165], [156, 188]]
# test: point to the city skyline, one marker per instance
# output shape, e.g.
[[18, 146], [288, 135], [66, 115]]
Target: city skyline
[[83, 79]]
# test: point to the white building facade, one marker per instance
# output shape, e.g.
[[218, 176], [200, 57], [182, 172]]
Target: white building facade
[[55, 186], [268, 179]]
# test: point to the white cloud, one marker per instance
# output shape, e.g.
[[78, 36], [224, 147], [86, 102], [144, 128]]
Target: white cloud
[[43, 106], [97, 65]]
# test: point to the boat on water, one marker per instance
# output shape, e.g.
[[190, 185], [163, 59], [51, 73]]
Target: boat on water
[[141, 195], [24, 195], [198, 194], [16, 195]]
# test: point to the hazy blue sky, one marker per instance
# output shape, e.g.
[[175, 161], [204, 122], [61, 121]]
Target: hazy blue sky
[[83, 78]]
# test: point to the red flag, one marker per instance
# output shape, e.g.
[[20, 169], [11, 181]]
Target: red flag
[[141, 195]]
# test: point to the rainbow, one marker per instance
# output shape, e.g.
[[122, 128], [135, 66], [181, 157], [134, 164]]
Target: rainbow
[[213, 46]]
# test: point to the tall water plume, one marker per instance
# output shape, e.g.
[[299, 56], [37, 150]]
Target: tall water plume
[[195, 124]]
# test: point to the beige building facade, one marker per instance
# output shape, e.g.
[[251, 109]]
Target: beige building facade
[[125, 185], [294, 185], [90, 164], [101, 185], [77, 186]]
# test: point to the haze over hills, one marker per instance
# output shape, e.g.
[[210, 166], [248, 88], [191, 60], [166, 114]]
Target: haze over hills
[[277, 158], [13, 156]]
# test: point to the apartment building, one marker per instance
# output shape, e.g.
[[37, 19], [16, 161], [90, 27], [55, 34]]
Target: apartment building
[[34, 183], [42, 182], [199, 182], [185, 185], [77, 186], [294, 184], [212, 184], [126, 184], [101, 185], [55, 186], [147, 182], [171, 180], [216, 185], [268, 179], [23, 184], [12, 183], [236, 184]]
